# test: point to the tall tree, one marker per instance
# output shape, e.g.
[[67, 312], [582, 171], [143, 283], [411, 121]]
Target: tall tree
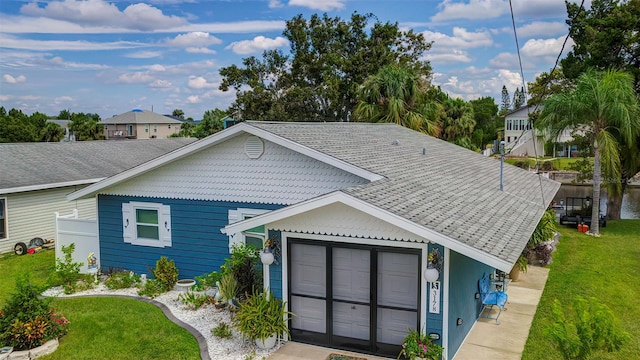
[[212, 122], [178, 113], [607, 35], [64, 115], [396, 94], [604, 106], [318, 80], [485, 110], [505, 105], [457, 122], [51, 132], [86, 126]]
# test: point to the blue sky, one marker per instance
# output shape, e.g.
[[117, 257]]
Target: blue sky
[[109, 57]]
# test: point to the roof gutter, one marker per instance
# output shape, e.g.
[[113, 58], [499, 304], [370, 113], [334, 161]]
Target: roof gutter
[[20, 189]]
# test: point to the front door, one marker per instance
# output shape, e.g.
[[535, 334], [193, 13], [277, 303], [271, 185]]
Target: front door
[[353, 297]]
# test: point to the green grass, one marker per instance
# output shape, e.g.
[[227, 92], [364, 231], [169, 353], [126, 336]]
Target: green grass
[[605, 268], [38, 265], [115, 328], [102, 327]]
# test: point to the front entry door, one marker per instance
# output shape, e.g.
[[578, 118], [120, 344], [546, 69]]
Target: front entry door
[[353, 297]]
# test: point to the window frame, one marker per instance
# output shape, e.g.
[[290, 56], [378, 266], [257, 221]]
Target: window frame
[[241, 214], [3, 219], [130, 224]]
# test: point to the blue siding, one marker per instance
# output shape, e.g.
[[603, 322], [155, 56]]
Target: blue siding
[[434, 321], [463, 285], [275, 269], [198, 245]]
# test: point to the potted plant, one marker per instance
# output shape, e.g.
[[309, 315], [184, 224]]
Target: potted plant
[[417, 345], [519, 266], [262, 317]]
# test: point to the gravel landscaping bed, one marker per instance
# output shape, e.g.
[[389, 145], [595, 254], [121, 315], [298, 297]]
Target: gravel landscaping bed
[[203, 320]]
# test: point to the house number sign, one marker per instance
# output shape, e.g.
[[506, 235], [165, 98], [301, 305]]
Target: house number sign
[[434, 297]]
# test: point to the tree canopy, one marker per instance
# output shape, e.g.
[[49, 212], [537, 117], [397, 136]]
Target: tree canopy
[[328, 59]]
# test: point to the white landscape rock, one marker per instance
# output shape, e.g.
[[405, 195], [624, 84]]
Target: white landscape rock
[[203, 320]]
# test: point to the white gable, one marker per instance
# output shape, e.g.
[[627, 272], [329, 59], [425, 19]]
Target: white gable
[[341, 220], [226, 172]]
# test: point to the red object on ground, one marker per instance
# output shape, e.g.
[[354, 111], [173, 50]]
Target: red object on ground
[[31, 251]]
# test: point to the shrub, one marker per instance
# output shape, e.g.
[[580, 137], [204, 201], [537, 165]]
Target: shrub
[[261, 316], [193, 300], [27, 320], [68, 272], [588, 326], [151, 288], [223, 331], [207, 280], [228, 287], [243, 264], [417, 345], [122, 280], [166, 273]]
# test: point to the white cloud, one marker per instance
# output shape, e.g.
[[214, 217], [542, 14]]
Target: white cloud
[[545, 47], [542, 28], [259, 43], [274, 4], [504, 60], [157, 67], [13, 80], [12, 42], [138, 16], [160, 84], [193, 99], [474, 9], [461, 38], [135, 78], [194, 39], [198, 82], [322, 5], [199, 50], [63, 99], [459, 56], [144, 54]]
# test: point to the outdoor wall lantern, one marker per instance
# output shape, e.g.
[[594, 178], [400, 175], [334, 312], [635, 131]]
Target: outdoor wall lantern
[[267, 257], [434, 266], [459, 321], [434, 336]]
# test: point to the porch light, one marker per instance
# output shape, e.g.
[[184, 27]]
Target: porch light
[[267, 257], [434, 266], [431, 274]]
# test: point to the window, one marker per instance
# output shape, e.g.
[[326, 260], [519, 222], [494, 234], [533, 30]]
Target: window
[[509, 124], [146, 224], [169, 126], [146, 128], [3, 218], [254, 236], [155, 127]]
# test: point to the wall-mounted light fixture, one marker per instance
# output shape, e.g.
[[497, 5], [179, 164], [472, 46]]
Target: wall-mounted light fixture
[[434, 336], [477, 296], [434, 266], [459, 321]]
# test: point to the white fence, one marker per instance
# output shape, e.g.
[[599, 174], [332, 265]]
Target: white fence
[[81, 232]]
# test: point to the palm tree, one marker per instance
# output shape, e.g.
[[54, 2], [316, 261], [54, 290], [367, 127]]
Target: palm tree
[[396, 94], [604, 106]]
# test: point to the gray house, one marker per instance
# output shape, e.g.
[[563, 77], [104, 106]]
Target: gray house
[[35, 179], [356, 210]]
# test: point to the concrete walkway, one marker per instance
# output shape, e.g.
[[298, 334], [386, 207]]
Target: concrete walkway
[[506, 341], [486, 339]]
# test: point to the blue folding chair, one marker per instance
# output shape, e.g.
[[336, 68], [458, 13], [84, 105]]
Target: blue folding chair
[[491, 298]]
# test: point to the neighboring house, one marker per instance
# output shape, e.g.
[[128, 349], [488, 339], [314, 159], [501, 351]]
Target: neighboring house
[[68, 134], [356, 207], [140, 124], [518, 135], [35, 179]]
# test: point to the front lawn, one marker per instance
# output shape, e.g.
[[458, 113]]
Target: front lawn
[[102, 327], [605, 268]]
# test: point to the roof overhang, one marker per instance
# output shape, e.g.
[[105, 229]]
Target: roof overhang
[[384, 215], [20, 189], [236, 130]]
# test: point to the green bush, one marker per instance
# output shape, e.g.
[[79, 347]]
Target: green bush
[[417, 345], [194, 300], [68, 272], [228, 287], [244, 264], [122, 280], [151, 288], [207, 280], [586, 327], [261, 316], [27, 320], [166, 273], [223, 331]]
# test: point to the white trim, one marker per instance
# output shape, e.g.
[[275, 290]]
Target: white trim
[[244, 127], [238, 215], [285, 235], [445, 303], [164, 224], [384, 215], [48, 186]]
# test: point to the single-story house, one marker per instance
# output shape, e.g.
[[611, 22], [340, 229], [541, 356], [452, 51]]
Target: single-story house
[[140, 124], [357, 208], [35, 179]]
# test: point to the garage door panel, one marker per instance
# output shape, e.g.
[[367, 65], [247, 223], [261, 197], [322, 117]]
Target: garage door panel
[[310, 314], [350, 320], [351, 274], [394, 324], [308, 269], [398, 279]]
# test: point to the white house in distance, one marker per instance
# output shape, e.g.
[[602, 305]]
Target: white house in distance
[[35, 179], [140, 124], [519, 134]]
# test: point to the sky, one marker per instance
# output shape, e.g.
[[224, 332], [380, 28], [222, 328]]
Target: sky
[[109, 57]]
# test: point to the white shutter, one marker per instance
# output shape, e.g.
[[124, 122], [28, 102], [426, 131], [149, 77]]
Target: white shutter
[[128, 223], [234, 238], [165, 226]]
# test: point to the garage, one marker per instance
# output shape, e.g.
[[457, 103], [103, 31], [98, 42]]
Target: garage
[[352, 296]]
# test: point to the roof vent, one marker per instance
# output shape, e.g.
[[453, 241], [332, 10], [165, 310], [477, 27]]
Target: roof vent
[[253, 147], [136, 110], [395, 142]]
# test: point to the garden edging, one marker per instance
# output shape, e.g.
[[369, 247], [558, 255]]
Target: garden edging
[[42, 350]]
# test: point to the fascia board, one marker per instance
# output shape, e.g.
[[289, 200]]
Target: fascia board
[[376, 212], [48, 186]]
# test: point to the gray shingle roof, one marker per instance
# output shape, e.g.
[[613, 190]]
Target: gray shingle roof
[[140, 117], [449, 189], [32, 164]]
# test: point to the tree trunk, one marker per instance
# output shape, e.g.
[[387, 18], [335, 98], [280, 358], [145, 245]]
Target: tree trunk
[[597, 179], [614, 202]]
